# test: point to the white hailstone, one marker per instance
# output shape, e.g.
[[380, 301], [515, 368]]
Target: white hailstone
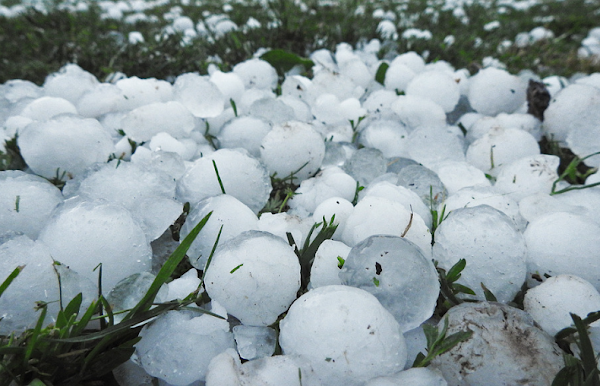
[[16, 89], [380, 101], [526, 122], [228, 213], [411, 59], [280, 224], [178, 346], [386, 135], [272, 110], [296, 86], [583, 140], [186, 147], [26, 202], [506, 348], [223, 369], [345, 333], [183, 23], [135, 37], [242, 176], [244, 132], [414, 111], [130, 291], [70, 83], [333, 83], [387, 30], [338, 206], [230, 84], [429, 145], [418, 376], [437, 86], [500, 146], [398, 76], [539, 204], [493, 91], [456, 175], [331, 182], [181, 287], [255, 276], [82, 234], [573, 106], [586, 198], [144, 122], [380, 216], [554, 84], [351, 110], [46, 107], [540, 33], [199, 95], [294, 147], [527, 176], [257, 73], [302, 110], [492, 246], [250, 96], [564, 243], [65, 144], [550, 303], [138, 92], [590, 80], [166, 162], [415, 33], [102, 99], [326, 266], [356, 70]]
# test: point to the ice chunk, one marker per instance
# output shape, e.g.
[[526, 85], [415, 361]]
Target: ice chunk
[[380, 101], [199, 95], [505, 348], [419, 376], [272, 110], [256, 73], [70, 83], [457, 175], [333, 83], [493, 91], [424, 182], [326, 266], [186, 147], [26, 202], [230, 84], [539, 204], [415, 111], [64, 146], [331, 182], [527, 176], [17, 89], [47, 107], [280, 224], [294, 147], [365, 165], [102, 99], [244, 132], [388, 136], [494, 249], [254, 342], [184, 285], [398, 76], [400, 276], [255, 276], [242, 176], [168, 163], [82, 234], [429, 145], [129, 291], [436, 86], [346, 334], [279, 370], [138, 92], [411, 59], [334, 206], [583, 139], [146, 121], [224, 369]]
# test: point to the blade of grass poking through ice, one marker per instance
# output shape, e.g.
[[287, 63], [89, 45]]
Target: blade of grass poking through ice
[[588, 359], [33, 340], [212, 252], [233, 106], [13, 275], [572, 173], [218, 177], [438, 343]]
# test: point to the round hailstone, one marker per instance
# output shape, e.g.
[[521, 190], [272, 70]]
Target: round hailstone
[[199, 95], [526, 122], [550, 303], [429, 145], [573, 106], [146, 121], [437, 86], [326, 266], [564, 243], [380, 101], [334, 206], [540, 204], [397, 77], [365, 165], [255, 276], [138, 92], [17, 89], [334, 83], [458, 175], [506, 348], [414, 111], [302, 110], [129, 291], [380, 216], [82, 234], [256, 73], [388, 136], [70, 83], [418, 376], [26, 202], [326, 109], [398, 274], [527, 176], [295, 86], [411, 59], [242, 176], [293, 147], [230, 84], [346, 334], [424, 182], [66, 144], [47, 107], [280, 224], [584, 138], [179, 345], [102, 99], [358, 71], [244, 132], [272, 110], [499, 147], [494, 249], [331, 182], [186, 147], [493, 91], [228, 213]]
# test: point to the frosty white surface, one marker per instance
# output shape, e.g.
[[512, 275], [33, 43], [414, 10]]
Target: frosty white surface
[[457, 175], [256, 73], [138, 92], [388, 136], [199, 95], [146, 121], [245, 132], [326, 266], [527, 176], [47, 107], [419, 376], [437, 86], [415, 111], [400, 276], [429, 145], [70, 83], [329, 183], [254, 342], [493, 91]]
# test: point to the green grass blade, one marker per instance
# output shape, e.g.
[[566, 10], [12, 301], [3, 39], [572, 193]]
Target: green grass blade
[[218, 177], [13, 275], [588, 358], [33, 340], [381, 71], [85, 319], [455, 272]]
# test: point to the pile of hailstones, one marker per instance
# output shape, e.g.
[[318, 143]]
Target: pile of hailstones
[[357, 325]]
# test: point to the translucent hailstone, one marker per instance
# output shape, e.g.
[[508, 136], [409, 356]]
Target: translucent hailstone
[[334, 206], [573, 106], [46, 107], [400, 276], [144, 122], [499, 147], [365, 165], [272, 110], [411, 59], [280, 224], [381, 216], [326, 266], [70, 83], [500, 351], [457, 175], [436, 86], [257, 73], [199, 95], [345, 333], [331, 182], [380, 101], [398, 76], [65, 144], [294, 147], [419, 376], [493, 91], [564, 243], [414, 111], [102, 99], [162, 161], [26, 202], [37, 281], [186, 147], [388, 136], [178, 346], [242, 176], [245, 132], [494, 249], [429, 145], [82, 234], [255, 276], [424, 182], [129, 291], [138, 92], [228, 212], [254, 342], [527, 176], [550, 303], [396, 164], [337, 153]]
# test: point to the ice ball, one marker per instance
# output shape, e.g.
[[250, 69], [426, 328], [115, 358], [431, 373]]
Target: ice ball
[[527, 176], [388, 136], [47, 107], [330, 256], [493, 91], [257, 73], [331, 182], [418, 376], [429, 145], [437, 86], [144, 122], [199, 95], [245, 132], [415, 111]]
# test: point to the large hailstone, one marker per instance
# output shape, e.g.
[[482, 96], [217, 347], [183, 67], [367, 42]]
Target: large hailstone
[[255, 276], [493, 91], [506, 348], [346, 334], [492, 246], [400, 276], [437, 86], [146, 121]]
